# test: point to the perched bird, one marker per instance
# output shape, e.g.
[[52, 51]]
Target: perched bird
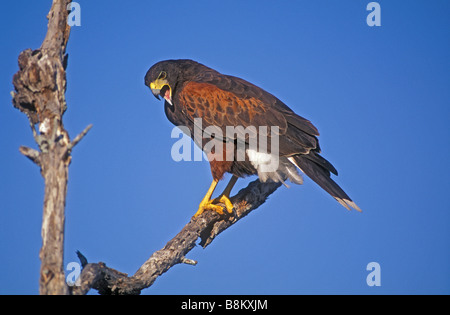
[[197, 96]]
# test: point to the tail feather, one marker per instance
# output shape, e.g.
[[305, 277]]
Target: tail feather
[[321, 176]]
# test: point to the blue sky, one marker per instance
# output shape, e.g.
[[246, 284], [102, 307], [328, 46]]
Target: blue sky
[[378, 95]]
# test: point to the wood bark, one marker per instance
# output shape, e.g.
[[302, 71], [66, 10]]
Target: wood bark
[[206, 227], [40, 86]]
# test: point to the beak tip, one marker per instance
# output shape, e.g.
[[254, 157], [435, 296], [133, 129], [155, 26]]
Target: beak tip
[[155, 93]]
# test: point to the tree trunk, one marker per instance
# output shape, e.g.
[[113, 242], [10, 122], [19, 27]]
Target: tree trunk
[[40, 85]]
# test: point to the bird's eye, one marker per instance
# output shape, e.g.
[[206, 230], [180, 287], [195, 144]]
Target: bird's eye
[[162, 75]]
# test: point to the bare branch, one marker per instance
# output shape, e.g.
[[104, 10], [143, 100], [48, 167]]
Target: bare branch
[[40, 86], [79, 137], [32, 154], [187, 261], [206, 226], [58, 29]]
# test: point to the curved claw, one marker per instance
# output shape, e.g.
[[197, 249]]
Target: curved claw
[[226, 201], [208, 206], [214, 206]]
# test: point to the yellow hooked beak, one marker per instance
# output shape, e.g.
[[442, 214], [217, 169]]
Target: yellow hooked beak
[[162, 87]]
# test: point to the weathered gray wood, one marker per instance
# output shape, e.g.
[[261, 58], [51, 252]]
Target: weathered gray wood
[[206, 227], [40, 85]]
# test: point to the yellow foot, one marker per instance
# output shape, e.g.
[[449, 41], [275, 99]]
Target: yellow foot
[[226, 201], [211, 205]]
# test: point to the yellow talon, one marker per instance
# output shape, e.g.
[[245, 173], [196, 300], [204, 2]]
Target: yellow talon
[[226, 201], [208, 204]]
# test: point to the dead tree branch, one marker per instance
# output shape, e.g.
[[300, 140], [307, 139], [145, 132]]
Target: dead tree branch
[[206, 227], [40, 86]]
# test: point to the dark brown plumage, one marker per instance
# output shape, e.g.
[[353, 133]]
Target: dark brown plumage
[[194, 91]]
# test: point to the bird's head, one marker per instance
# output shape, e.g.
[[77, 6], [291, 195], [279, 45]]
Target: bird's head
[[164, 77], [158, 79]]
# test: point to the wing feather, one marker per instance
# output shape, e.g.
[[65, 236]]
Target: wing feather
[[224, 108], [223, 100]]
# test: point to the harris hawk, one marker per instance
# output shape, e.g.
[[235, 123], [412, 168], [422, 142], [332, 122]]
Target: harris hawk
[[197, 96]]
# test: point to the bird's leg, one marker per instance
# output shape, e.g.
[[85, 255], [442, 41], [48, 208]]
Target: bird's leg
[[206, 203], [225, 195]]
